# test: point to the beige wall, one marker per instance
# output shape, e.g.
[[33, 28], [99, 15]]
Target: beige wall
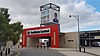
[[64, 40], [32, 42]]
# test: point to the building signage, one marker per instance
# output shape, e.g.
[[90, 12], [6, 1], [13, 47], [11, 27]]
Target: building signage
[[39, 31], [45, 13], [54, 35], [45, 16], [23, 39]]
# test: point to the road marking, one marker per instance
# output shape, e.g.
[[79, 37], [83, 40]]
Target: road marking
[[18, 54]]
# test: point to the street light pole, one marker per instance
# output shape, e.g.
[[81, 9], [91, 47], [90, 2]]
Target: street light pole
[[77, 18]]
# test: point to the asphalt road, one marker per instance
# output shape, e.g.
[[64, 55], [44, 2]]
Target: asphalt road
[[37, 52]]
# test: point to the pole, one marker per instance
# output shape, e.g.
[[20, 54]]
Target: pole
[[77, 17], [79, 34]]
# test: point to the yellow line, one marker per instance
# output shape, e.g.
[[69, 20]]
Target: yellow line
[[18, 54]]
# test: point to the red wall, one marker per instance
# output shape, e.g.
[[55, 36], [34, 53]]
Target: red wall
[[53, 33]]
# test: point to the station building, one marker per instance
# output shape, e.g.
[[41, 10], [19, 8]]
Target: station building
[[50, 29], [90, 38]]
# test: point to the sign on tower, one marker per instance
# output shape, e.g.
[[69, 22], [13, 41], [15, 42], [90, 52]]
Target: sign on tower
[[50, 13]]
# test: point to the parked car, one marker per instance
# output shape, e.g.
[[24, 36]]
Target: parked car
[[96, 44]]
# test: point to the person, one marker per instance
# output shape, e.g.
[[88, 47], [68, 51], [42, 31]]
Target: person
[[43, 44], [55, 18], [47, 44], [40, 44], [37, 45]]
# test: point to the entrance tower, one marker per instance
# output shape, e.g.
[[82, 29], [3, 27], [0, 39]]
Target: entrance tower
[[49, 27], [50, 14]]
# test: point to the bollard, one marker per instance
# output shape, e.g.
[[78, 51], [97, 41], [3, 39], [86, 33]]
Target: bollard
[[6, 52], [80, 49], [84, 49], [1, 53]]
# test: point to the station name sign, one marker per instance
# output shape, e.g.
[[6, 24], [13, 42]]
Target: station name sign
[[38, 31]]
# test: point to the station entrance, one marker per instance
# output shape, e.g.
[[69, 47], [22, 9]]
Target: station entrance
[[34, 42], [32, 36], [49, 26], [45, 40]]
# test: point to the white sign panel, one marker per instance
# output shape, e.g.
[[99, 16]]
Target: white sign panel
[[38, 31], [50, 15], [44, 13], [54, 16], [45, 16]]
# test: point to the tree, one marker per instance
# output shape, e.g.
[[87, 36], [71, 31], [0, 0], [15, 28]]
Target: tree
[[16, 29], [4, 22], [9, 31]]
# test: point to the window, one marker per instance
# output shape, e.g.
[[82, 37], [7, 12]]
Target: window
[[70, 40]]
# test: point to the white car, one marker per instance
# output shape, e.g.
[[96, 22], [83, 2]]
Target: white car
[[96, 44]]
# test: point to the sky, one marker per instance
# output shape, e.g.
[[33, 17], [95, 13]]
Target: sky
[[94, 3], [27, 12]]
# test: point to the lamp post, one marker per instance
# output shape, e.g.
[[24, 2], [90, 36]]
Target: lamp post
[[78, 39]]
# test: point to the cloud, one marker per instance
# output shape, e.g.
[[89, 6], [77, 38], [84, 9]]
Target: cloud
[[87, 15], [28, 12]]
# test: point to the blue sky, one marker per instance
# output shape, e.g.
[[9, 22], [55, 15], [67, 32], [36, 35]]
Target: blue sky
[[89, 28], [94, 3]]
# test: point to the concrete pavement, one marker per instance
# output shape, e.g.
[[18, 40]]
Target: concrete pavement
[[37, 52], [57, 52], [93, 50], [71, 52]]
